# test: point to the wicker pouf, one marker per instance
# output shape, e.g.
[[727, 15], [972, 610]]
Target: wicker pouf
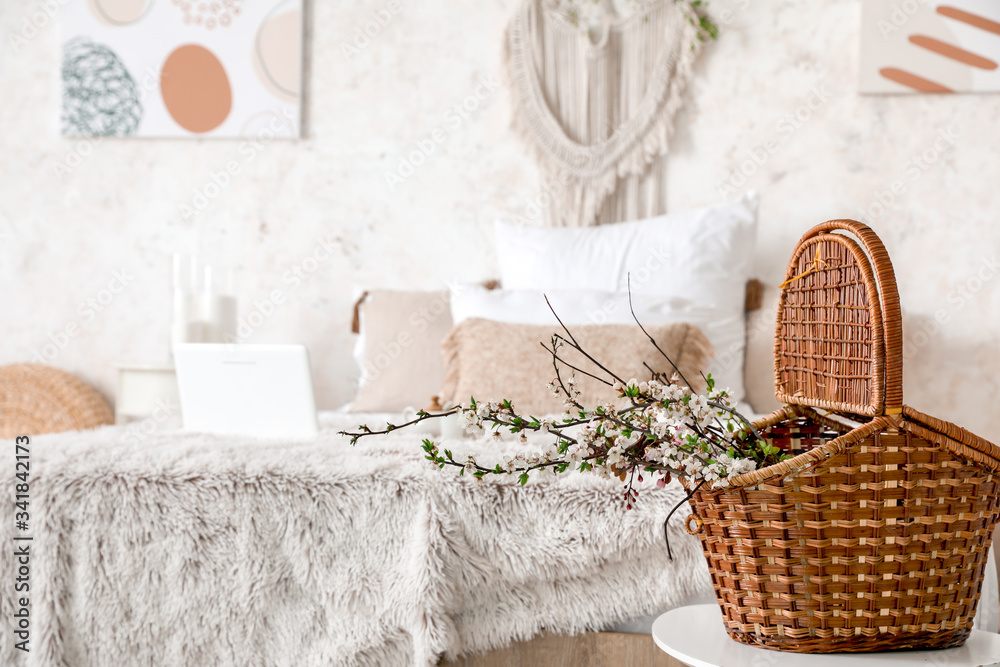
[[40, 399], [875, 535]]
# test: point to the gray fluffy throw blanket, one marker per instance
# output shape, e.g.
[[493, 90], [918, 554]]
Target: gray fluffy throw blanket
[[184, 549]]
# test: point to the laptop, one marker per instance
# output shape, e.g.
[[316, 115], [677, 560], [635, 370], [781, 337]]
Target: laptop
[[258, 390]]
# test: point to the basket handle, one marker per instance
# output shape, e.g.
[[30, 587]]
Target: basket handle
[[892, 317]]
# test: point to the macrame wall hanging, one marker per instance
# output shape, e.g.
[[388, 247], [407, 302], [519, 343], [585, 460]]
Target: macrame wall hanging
[[594, 97]]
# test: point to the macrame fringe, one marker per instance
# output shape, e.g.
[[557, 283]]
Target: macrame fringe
[[583, 176]]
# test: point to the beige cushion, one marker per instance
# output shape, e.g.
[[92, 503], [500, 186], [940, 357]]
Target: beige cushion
[[494, 360], [400, 350]]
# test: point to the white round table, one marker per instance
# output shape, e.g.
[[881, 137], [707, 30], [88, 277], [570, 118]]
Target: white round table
[[695, 636]]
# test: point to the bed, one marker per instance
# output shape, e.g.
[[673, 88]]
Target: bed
[[195, 549]]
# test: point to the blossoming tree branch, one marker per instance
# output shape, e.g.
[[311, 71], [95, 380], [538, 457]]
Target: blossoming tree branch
[[659, 427]]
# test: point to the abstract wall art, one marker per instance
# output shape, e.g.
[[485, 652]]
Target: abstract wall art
[[930, 46], [182, 68]]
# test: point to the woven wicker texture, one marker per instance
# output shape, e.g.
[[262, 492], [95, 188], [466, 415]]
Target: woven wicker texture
[[839, 324], [40, 399], [872, 537]]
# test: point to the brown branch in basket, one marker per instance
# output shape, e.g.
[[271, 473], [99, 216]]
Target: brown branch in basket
[[422, 415], [667, 430], [556, 357], [666, 522], [739, 415], [576, 346], [653, 340], [448, 459], [659, 376]]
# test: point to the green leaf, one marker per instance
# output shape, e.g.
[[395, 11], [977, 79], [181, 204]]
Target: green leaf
[[710, 382], [523, 479]]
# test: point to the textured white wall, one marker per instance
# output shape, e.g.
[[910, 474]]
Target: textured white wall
[[116, 207]]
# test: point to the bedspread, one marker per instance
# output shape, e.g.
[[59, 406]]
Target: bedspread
[[189, 549]]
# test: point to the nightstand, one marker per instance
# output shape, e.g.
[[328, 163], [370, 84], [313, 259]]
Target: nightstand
[[146, 390]]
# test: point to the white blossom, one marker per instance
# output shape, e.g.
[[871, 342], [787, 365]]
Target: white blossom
[[666, 426]]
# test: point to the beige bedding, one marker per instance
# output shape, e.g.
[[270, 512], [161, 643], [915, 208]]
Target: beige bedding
[[494, 360]]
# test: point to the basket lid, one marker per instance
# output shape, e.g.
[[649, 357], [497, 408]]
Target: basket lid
[[838, 343]]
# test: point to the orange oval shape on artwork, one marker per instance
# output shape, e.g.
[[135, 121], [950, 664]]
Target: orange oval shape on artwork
[[195, 88]]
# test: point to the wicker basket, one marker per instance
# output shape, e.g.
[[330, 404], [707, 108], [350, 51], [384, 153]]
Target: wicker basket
[[41, 399], [875, 535]]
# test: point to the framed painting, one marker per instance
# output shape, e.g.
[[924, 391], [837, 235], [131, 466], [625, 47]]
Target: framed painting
[[177, 68], [924, 46]]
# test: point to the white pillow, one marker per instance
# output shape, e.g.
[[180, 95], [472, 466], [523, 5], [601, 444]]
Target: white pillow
[[703, 255], [575, 307]]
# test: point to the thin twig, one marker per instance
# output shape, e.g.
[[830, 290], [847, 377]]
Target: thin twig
[[450, 460], [586, 354], [653, 340], [738, 415], [422, 416], [536, 429], [577, 347], [570, 399], [569, 365], [666, 522], [659, 377]]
